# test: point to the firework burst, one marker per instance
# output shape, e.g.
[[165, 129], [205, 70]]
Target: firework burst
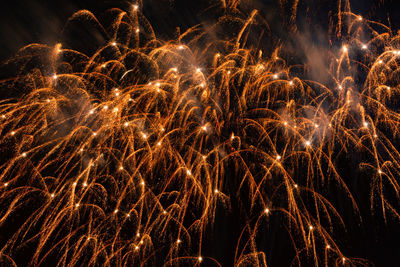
[[128, 156]]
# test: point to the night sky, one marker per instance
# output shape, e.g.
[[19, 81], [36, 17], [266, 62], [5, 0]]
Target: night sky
[[24, 22]]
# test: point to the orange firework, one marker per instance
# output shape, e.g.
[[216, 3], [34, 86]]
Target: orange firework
[[126, 157]]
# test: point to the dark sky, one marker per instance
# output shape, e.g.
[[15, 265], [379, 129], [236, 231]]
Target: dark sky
[[25, 21]]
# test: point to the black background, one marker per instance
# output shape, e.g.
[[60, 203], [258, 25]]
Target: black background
[[25, 21]]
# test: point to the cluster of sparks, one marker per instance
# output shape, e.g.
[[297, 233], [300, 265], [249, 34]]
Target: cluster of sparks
[[126, 155]]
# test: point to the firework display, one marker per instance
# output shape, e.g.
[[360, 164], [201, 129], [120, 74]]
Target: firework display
[[128, 156]]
